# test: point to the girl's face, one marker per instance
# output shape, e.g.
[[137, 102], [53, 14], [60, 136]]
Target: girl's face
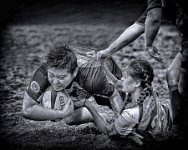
[[128, 82], [59, 78]]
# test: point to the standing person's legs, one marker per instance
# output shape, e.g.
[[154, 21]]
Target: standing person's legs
[[177, 100], [183, 80]]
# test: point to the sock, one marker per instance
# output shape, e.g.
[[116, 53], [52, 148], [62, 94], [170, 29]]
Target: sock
[[178, 106]]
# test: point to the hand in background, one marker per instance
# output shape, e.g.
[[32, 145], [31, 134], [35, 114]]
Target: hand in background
[[154, 53], [96, 55]]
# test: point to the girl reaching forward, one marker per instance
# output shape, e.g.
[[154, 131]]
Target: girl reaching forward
[[141, 111]]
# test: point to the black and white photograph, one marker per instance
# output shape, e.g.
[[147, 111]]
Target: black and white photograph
[[93, 74]]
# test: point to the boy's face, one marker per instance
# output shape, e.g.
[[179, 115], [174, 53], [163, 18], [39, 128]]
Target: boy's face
[[59, 78]]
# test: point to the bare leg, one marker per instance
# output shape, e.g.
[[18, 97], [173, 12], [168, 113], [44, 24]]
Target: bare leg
[[183, 80], [177, 100]]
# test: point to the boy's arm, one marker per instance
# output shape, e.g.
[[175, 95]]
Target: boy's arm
[[32, 110]]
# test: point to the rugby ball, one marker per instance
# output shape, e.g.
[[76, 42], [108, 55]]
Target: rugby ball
[[56, 100]]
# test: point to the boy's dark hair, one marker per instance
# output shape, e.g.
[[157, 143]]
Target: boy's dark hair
[[62, 57]]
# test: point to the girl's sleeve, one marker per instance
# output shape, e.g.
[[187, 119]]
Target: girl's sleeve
[[125, 123]]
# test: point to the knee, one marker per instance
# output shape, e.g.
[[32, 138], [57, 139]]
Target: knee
[[183, 84], [172, 77]]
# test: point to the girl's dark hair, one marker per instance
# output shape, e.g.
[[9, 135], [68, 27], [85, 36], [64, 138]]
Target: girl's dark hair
[[62, 57], [143, 71]]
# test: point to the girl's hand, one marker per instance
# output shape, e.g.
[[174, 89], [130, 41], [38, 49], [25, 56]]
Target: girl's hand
[[89, 101]]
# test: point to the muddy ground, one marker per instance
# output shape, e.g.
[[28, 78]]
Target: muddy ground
[[26, 40]]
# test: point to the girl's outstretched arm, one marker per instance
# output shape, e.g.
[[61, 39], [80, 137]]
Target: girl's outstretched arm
[[109, 74], [100, 121]]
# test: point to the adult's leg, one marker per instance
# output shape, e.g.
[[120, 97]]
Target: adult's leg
[[177, 100], [183, 80]]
